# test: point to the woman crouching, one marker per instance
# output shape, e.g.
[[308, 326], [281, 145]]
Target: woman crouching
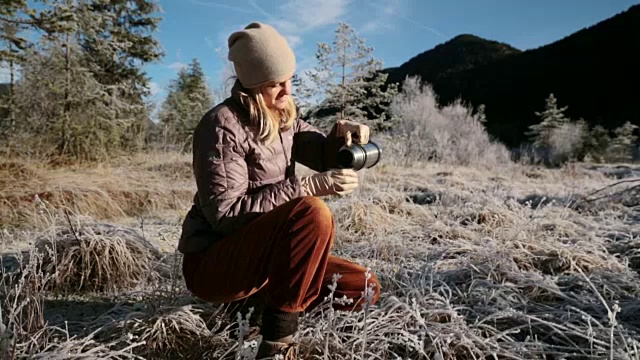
[[255, 226]]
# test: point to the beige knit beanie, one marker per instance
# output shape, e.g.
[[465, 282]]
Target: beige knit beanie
[[260, 55]]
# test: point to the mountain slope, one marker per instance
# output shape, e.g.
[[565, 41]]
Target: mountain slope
[[594, 72], [463, 52]]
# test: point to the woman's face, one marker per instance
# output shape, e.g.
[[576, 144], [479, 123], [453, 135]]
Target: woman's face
[[276, 94]]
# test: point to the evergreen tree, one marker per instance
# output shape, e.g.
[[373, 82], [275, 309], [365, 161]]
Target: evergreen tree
[[621, 148], [188, 99], [551, 118], [82, 86], [62, 105], [116, 44], [348, 78], [119, 40], [595, 144]]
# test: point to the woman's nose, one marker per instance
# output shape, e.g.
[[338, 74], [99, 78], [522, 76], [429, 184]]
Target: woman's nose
[[286, 90]]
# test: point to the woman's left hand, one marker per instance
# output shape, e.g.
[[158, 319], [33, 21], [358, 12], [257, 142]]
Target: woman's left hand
[[345, 128]]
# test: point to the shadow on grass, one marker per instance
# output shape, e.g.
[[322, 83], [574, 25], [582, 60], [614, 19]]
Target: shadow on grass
[[81, 316]]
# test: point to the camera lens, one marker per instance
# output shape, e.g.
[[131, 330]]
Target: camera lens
[[346, 158], [359, 156]]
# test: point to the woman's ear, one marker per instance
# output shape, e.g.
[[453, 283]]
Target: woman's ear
[[253, 91]]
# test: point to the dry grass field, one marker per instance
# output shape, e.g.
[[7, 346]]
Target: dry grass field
[[500, 262]]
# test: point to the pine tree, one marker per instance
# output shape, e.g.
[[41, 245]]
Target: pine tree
[[595, 144], [348, 78], [61, 103], [119, 41], [621, 148], [82, 84], [116, 44], [188, 99], [551, 118]]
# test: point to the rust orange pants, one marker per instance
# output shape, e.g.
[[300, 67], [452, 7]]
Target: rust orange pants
[[283, 256]]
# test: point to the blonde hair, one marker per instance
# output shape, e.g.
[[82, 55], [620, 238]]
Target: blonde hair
[[265, 121]]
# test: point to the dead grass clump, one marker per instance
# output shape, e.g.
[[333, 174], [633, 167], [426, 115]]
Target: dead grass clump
[[181, 331], [534, 174], [86, 348], [393, 203], [377, 215], [554, 258], [12, 172], [22, 208], [172, 332], [172, 170], [101, 192], [364, 220], [558, 261], [96, 258], [134, 203], [24, 327], [522, 318], [440, 232], [488, 218]]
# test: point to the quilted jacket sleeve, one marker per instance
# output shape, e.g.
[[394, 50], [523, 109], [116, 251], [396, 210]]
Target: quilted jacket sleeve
[[222, 176], [314, 149]]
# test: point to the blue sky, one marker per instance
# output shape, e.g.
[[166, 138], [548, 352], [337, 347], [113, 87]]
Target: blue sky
[[397, 29]]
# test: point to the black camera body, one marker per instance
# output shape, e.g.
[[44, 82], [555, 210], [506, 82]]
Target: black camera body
[[358, 156]]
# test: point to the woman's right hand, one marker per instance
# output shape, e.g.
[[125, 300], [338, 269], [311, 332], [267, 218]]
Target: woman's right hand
[[333, 182]]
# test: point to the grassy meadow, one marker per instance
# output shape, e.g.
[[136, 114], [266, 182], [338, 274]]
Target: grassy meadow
[[505, 261]]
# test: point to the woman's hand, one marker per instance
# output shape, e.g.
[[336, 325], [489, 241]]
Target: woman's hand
[[345, 128], [333, 182]]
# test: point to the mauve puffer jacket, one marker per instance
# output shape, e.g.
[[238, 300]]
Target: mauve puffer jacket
[[238, 178]]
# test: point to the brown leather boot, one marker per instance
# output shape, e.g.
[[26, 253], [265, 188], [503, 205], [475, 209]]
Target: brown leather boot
[[284, 349]]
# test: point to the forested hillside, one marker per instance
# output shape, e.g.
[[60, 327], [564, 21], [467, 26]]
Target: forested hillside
[[593, 72]]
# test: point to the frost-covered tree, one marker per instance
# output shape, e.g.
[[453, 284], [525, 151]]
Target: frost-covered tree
[[445, 134], [119, 40], [347, 81], [63, 107], [566, 142], [82, 87]]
